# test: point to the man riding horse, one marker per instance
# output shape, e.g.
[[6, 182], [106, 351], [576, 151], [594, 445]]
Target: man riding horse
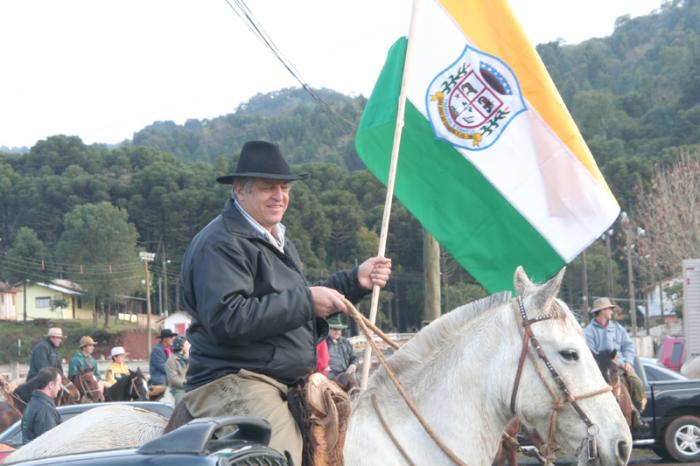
[[604, 334], [255, 319]]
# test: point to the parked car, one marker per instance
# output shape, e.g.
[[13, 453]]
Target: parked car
[[672, 412], [657, 372], [11, 437], [193, 444]]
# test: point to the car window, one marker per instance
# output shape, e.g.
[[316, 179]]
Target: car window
[[661, 374], [677, 353]]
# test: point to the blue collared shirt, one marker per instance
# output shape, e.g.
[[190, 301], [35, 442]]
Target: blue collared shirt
[[611, 337], [277, 240]]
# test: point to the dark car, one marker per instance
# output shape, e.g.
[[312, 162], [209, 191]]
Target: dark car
[[193, 444], [672, 412]]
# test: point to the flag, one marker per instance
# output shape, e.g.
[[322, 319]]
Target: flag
[[491, 162]]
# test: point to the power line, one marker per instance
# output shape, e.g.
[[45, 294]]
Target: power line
[[257, 29]]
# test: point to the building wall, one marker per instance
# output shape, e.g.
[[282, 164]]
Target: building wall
[[38, 305], [8, 308]]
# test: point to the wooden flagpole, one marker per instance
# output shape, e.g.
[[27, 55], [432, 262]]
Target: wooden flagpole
[[390, 189]]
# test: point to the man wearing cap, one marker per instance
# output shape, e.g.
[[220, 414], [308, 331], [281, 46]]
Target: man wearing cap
[[342, 358], [159, 356], [603, 333], [118, 368], [255, 319], [45, 353]]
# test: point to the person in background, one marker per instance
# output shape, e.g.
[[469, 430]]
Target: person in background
[[45, 353], [322, 357], [176, 367], [41, 414], [604, 333], [342, 358], [159, 356], [84, 361], [118, 368]]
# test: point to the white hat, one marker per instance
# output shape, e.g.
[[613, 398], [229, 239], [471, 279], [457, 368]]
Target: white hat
[[117, 350], [55, 332]]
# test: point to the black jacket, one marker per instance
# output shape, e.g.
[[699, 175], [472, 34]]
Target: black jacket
[[250, 304], [44, 354], [40, 415]]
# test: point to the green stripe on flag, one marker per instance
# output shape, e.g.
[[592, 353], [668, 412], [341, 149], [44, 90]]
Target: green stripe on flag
[[446, 193]]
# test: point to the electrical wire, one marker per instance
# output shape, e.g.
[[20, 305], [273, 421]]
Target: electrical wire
[[257, 29]]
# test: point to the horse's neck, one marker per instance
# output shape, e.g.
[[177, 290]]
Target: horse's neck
[[463, 392]]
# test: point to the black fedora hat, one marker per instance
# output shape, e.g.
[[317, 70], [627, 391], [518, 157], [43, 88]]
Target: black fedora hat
[[261, 159], [166, 333]]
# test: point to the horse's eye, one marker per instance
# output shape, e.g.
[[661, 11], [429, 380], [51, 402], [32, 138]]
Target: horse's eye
[[569, 354]]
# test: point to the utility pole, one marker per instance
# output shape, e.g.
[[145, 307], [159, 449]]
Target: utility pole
[[165, 283], [584, 286], [431, 274], [627, 227], [164, 296], [24, 295], [608, 236], [147, 257]]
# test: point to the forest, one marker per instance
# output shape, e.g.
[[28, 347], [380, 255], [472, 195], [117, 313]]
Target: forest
[[84, 212]]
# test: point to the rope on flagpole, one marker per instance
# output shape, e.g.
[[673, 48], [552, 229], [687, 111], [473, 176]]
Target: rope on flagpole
[[390, 190]]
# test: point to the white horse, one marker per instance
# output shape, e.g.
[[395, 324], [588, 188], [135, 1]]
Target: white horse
[[107, 427], [460, 372]]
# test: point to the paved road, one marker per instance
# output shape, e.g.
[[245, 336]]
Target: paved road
[[639, 458]]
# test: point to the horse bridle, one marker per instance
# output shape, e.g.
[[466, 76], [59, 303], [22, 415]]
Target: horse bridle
[[133, 389], [559, 401], [64, 389], [85, 389]]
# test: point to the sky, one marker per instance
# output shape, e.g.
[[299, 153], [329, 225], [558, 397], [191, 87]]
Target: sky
[[104, 69]]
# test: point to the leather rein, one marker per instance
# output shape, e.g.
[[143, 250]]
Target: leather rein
[[559, 401]]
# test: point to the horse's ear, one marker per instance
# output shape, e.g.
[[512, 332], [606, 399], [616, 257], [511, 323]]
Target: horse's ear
[[613, 354], [547, 293], [520, 281]]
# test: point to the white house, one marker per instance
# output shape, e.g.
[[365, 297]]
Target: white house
[[178, 322], [8, 302]]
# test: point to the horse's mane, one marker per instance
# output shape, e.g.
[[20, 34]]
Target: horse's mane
[[431, 339], [24, 391]]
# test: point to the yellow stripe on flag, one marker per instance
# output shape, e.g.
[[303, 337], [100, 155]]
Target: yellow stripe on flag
[[492, 27]]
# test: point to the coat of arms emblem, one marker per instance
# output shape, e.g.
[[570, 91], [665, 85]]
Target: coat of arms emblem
[[472, 101]]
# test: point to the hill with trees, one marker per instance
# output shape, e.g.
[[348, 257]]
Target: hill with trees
[[635, 96]]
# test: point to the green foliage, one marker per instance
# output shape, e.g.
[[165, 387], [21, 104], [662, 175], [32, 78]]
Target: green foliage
[[96, 235], [635, 96], [26, 255]]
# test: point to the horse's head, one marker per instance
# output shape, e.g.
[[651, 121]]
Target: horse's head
[[69, 393], [138, 387], [87, 385], [541, 399]]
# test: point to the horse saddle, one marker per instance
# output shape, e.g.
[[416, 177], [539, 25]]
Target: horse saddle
[[322, 418]]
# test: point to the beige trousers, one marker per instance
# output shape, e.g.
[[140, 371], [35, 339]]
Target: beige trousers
[[250, 394]]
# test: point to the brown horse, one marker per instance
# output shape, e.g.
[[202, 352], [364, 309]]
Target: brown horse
[[508, 451], [8, 415], [88, 387], [615, 377]]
